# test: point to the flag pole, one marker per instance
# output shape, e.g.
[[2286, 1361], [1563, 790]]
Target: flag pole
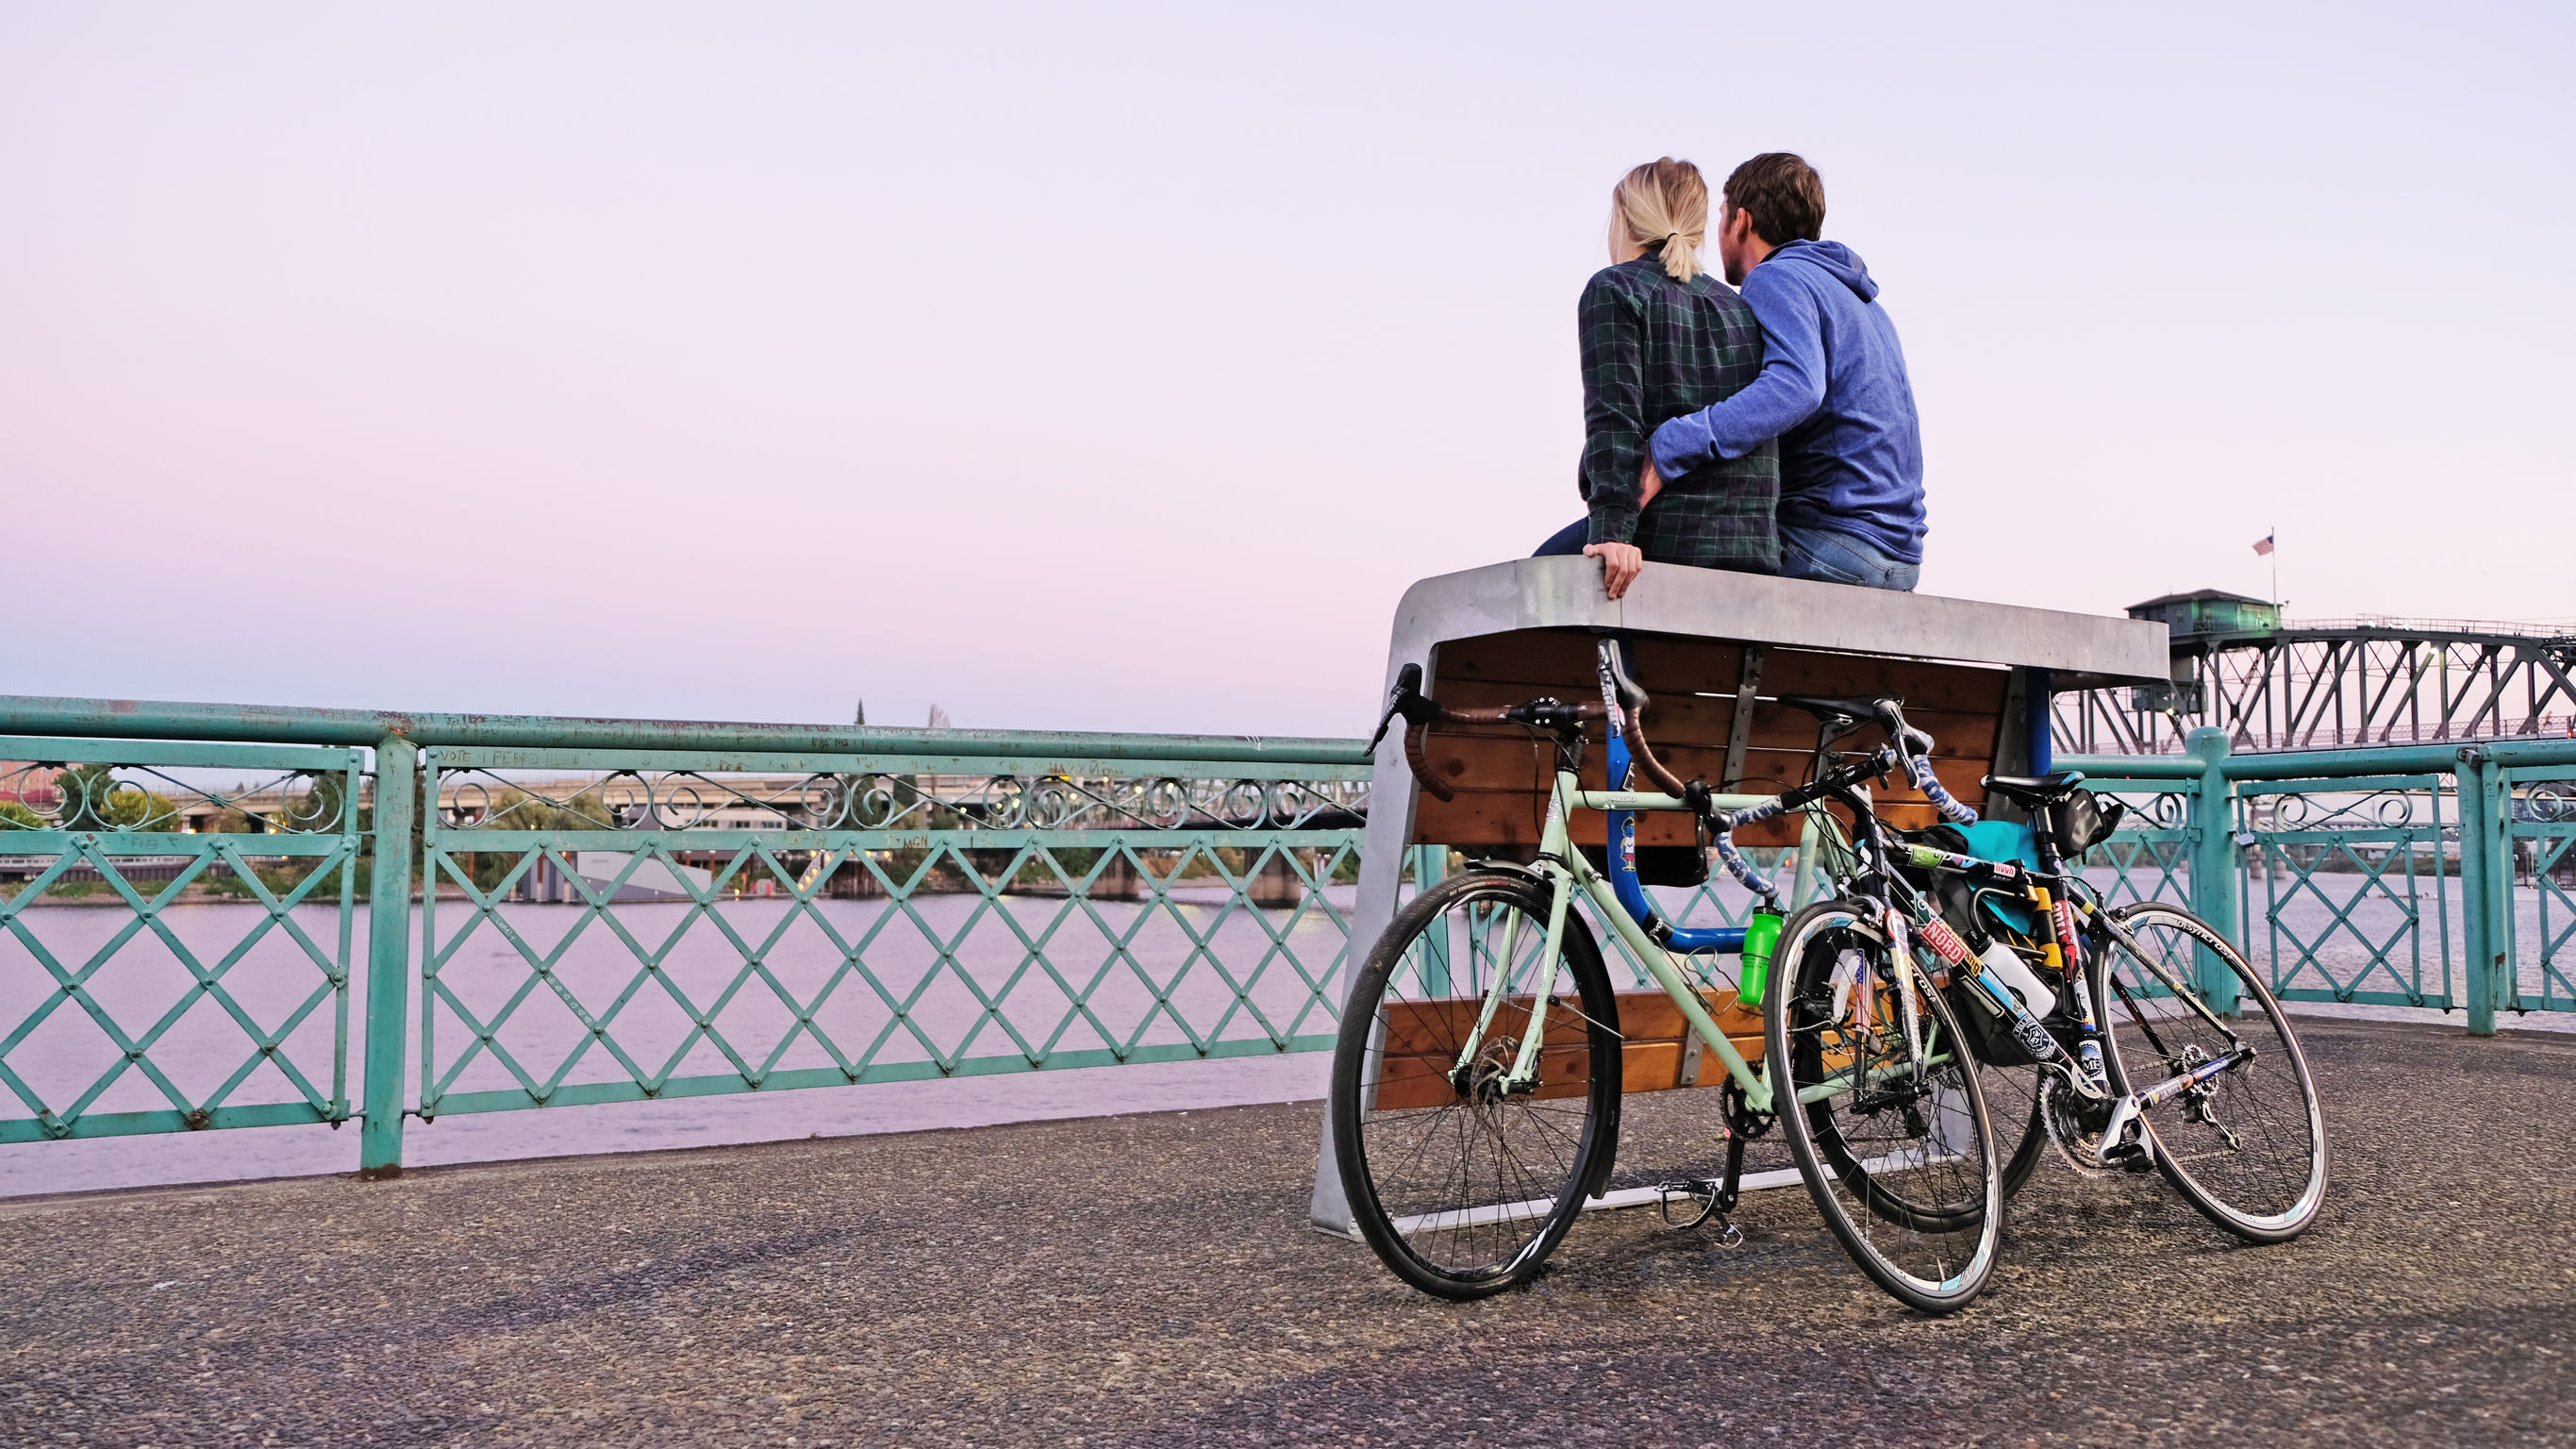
[[2275, 537]]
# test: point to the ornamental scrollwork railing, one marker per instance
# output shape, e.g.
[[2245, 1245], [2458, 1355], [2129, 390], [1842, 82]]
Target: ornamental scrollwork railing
[[105, 797], [888, 801]]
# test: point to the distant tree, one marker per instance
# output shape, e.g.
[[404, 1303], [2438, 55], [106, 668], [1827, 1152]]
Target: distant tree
[[94, 799], [518, 810], [14, 816]]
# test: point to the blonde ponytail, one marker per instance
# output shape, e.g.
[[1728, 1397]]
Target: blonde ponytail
[[1665, 202]]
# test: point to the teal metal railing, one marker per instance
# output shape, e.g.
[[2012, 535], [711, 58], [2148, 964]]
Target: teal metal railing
[[219, 917], [559, 912], [2432, 876]]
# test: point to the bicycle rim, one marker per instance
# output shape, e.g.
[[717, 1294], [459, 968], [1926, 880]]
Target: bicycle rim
[[1900, 1159], [1462, 1186], [2249, 1148]]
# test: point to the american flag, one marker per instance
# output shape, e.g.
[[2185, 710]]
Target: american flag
[[2263, 545]]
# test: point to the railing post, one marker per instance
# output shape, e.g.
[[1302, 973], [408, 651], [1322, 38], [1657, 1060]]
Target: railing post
[[2486, 872], [2213, 864], [389, 958]]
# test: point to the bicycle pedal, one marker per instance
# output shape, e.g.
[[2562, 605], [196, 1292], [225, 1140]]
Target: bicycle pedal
[[2131, 1156], [1699, 1194]]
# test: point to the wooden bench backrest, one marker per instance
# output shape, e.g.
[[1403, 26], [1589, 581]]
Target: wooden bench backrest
[[1501, 777]]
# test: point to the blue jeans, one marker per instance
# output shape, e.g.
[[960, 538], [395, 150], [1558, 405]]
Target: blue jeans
[[1569, 539], [1831, 557]]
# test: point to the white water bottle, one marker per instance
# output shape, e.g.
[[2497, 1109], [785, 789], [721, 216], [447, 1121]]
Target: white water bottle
[[2007, 964]]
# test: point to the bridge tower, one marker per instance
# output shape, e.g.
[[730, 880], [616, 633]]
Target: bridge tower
[[2276, 684]]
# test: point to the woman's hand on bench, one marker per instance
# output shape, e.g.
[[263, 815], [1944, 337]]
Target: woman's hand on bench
[[1620, 565]]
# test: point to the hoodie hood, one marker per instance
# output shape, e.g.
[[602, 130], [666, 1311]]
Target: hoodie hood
[[1834, 260]]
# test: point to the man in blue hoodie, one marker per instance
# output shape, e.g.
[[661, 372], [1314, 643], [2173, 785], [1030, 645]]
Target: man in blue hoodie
[[1832, 390]]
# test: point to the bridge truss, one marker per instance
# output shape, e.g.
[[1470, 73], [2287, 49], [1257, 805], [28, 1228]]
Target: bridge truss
[[2365, 681]]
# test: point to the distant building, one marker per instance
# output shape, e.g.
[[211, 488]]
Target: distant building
[[2210, 611], [23, 782]]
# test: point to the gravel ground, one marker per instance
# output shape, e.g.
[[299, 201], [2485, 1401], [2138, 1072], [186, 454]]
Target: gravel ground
[[1151, 1280]]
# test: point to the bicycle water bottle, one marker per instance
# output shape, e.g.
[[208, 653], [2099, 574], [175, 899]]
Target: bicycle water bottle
[[2005, 962], [1761, 941]]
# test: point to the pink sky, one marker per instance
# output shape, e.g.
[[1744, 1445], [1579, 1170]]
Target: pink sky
[[1118, 367]]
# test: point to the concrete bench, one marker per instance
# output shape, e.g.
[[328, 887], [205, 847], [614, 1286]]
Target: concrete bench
[[1715, 650]]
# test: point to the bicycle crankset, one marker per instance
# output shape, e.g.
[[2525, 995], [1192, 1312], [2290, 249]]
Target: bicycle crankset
[[2075, 1124]]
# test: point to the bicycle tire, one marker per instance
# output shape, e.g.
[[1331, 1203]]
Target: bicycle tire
[[1941, 1210], [2272, 1097], [1489, 1224]]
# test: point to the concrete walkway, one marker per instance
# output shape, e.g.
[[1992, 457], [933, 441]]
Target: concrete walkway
[[1151, 1280]]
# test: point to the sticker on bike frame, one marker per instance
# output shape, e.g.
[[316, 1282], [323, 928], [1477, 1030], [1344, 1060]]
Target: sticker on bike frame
[[1945, 943], [1928, 858]]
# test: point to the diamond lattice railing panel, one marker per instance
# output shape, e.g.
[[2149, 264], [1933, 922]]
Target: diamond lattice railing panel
[[2141, 866], [2344, 915], [755, 965], [134, 998], [2544, 919]]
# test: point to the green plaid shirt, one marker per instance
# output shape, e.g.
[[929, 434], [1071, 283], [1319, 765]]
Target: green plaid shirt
[[1653, 349]]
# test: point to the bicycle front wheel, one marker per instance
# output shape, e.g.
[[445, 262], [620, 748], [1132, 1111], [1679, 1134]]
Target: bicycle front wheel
[[1889, 1128], [2248, 1146], [1462, 1179]]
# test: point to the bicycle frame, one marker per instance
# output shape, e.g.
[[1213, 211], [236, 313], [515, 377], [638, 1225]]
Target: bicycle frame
[[1621, 902], [1568, 872], [2069, 890]]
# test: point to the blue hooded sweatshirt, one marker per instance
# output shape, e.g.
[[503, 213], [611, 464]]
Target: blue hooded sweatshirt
[[1833, 391]]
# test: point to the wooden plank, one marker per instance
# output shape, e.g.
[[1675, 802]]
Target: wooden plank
[[1440, 1025], [1422, 1040], [1921, 683], [1563, 662], [1656, 1066], [1422, 1079], [1501, 781], [1652, 1016], [1496, 813], [1560, 662]]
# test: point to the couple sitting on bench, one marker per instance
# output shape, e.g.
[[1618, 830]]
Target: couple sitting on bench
[[1770, 432]]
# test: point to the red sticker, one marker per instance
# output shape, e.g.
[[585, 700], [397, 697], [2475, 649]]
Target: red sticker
[[1944, 942]]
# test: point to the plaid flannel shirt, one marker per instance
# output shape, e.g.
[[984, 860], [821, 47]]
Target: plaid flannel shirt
[[1653, 349]]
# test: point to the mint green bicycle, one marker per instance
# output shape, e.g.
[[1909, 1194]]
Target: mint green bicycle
[[1476, 1084]]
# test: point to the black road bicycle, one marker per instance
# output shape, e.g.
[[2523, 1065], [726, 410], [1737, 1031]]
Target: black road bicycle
[[2136, 1039]]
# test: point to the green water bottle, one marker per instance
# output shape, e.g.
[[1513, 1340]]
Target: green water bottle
[[1761, 939]]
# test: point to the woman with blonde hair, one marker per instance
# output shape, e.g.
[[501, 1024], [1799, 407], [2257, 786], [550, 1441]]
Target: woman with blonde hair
[[1662, 338]]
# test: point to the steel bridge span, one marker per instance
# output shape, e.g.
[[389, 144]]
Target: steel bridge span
[[2327, 683]]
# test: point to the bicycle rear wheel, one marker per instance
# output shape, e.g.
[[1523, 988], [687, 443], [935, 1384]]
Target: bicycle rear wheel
[[1462, 1185], [1896, 1150], [2248, 1147]]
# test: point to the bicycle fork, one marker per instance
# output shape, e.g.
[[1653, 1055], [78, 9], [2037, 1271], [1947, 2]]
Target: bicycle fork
[[1523, 1074]]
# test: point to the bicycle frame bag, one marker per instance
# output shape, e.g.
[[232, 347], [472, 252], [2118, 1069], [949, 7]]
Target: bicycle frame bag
[[1978, 917], [2082, 821]]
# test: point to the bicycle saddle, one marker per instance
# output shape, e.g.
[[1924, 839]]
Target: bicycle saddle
[[1825, 706], [2045, 789]]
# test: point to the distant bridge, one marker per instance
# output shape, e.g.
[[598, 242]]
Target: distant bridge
[[2339, 682]]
